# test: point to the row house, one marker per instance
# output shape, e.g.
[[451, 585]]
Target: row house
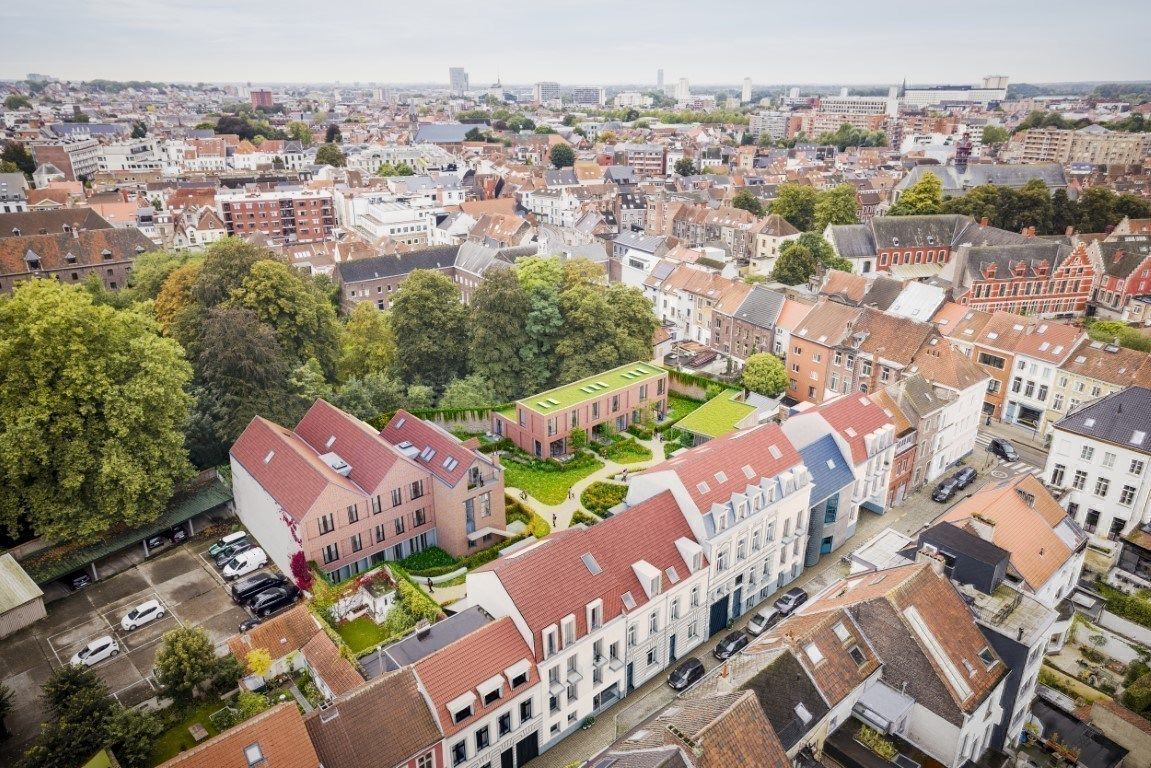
[[1125, 274], [734, 227], [1040, 278], [992, 347], [637, 254], [747, 327], [745, 497], [1099, 454], [70, 256], [811, 350], [195, 228], [770, 235], [542, 424], [903, 460], [624, 613], [896, 243], [376, 279], [1092, 370], [348, 498], [1039, 353]]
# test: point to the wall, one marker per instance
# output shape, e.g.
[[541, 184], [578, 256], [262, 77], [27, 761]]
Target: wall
[[260, 514], [1129, 629]]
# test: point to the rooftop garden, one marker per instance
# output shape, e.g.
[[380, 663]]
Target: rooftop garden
[[678, 407], [593, 386], [717, 416]]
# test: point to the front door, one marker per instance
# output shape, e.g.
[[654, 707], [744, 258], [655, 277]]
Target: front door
[[527, 749], [737, 602], [630, 678], [508, 758], [671, 650], [825, 545], [718, 620]]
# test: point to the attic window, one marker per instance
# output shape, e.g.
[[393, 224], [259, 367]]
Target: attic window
[[702, 487], [1137, 437], [330, 442], [851, 432], [841, 632], [590, 563], [427, 453], [987, 657], [254, 755], [400, 421], [721, 477], [450, 463], [970, 669], [106, 254], [813, 653], [628, 601], [802, 713], [269, 456], [774, 451], [1089, 423], [831, 463], [748, 472], [857, 655]]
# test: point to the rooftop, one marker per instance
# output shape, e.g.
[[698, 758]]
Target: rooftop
[[591, 388], [1010, 612], [718, 416]]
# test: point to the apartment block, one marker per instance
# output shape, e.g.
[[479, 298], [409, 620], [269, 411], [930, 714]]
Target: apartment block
[[1093, 144], [293, 215]]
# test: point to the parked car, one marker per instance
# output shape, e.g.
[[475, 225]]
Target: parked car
[[945, 490], [250, 586], [142, 614], [247, 624], [96, 651], [178, 534], [230, 551], [791, 600], [78, 580], [686, 674], [731, 645], [244, 563], [965, 477], [271, 600], [1003, 449], [155, 542], [763, 621], [228, 540]]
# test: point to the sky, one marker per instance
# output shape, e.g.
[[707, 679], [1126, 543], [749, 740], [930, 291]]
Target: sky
[[593, 42]]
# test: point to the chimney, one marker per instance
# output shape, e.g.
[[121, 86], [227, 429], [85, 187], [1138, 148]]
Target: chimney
[[1019, 637], [984, 222], [982, 527], [934, 559], [782, 413]]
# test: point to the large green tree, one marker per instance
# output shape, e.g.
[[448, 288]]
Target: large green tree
[[796, 203], [924, 197], [746, 201], [368, 396], [800, 259], [501, 347], [838, 205], [1096, 210], [994, 134], [92, 406], [685, 167], [152, 268], [431, 329], [16, 153], [562, 156], [301, 132], [541, 278], [367, 344], [472, 391], [185, 661], [330, 154], [764, 374]]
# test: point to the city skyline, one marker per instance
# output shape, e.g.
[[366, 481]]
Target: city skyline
[[214, 41]]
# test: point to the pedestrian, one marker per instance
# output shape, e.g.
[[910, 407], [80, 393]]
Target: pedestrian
[[571, 493], [431, 588], [553, 519]]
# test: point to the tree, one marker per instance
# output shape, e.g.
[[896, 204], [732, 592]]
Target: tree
[[685, 167], [430, 326], [6, 707], [501, 346], [1096, 210], [562, 156], [632, 321], [301, 132], [395, 169], [922, 198], [764, 374], [17, 101], [175, 306], [1064, 212], [226, 265], [367, 344], [540, 278], [259, 661], [472, 391], [1131, 206], [1031, 206], [92, 407], [16, 153], [367, 397], [301, 571], [309, 383], [330, 154], [139, 129], [132, 736], [333, 134], [186, 659], [745, 200], [151, 269], [993, 135], [796, 204], [838, 205], [79, 710], [800, 259], [301, 317], [475, 134]]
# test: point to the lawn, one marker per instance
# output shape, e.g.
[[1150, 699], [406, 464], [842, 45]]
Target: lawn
[[624, 450], [177, 739], [717, 416], [361, 633], [550, 486], [679, 406]]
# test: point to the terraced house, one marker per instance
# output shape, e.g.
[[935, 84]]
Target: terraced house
[[542, 424]]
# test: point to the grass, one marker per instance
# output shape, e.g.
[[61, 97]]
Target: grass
[[624, 450], [572, 394], [717, 416], [601, 496], [550, 486], [177, 739], [679, 406], [361, 633]]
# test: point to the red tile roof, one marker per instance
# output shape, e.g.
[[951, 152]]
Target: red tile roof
[[279, 733], [328, 429], [854, 416], [461, 666], [550, 581], [404, 427]]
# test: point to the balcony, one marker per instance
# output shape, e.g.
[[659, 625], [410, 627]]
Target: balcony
[[480, 479]]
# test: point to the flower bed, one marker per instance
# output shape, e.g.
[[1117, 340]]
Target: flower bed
[[623, 450], [601, 496], [579, 517]]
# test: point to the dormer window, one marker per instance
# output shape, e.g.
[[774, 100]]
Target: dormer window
[[462, 707], [70, 257], [106, 254], [492, 689], [987, 657]]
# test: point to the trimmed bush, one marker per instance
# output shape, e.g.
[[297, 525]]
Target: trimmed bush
[[430, 558], [579, 516], [601, 496], [641, 431]]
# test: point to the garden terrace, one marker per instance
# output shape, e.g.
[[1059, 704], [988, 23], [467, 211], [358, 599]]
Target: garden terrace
[[724, 413]]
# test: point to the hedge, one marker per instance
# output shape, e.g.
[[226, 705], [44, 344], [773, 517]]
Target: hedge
[[430, 558], [579, 516], [413, 598], [1136, 608], [601, 496]]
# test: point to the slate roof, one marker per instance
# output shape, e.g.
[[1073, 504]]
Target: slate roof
[[278, 732], [360, 270], [830, 471], [882, 292], [351, 733], [1121, 258], [977, 174], [1095, 749], [852, 241], [938, 230], [443, 133], [640, 241], [761, 307], [438, 635], [958, 540], [780, 687], [1122, 418]]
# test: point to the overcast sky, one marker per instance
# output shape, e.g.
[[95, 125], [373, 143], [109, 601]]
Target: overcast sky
[[589, 42]]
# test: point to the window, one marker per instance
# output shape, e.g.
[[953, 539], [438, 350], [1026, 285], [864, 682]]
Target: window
[[1101, 486], [327, 524], [695, 597], [525, 710], [460, 715], [841, 632], [379, 533], [1057, 402], [397, 497], [357, 543], [652, 658], [417, 489], [988, 659], [254, 754], [419, 517], [1127, 495], [631, 636], [504, 725], [1080, 480], [653, 623], [495, 695], [377, 506], [993, 386], [331, 553], [569, 630], [459, 753], [353, 513], [1136, 467], [866, 370], [856, 655], [483, 738], [813, 653], [614, 403], [399, 525], [1087, 453], [425, 761], [1057, 474], [1108, 460], [551, 642]]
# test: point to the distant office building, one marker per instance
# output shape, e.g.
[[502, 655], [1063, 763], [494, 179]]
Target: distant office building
[[683, 90], [745, 96], [545, 91], [592, 97], [772, 123], [458, 77], [261, 98], [659, 79], [991, 88]]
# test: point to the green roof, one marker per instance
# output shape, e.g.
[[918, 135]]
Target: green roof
[[592, 387], [102, 759], [717, 416], [54, 562]]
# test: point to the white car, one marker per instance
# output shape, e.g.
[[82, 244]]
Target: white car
[[142, 614], [96, 651], [244, 563]]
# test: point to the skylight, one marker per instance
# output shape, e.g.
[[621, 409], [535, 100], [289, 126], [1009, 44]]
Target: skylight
[[1137, 437], [748, 472], [774, 451], [450, 463], [702, 487], [628, 601], [1089, 423], [721, 477], [590, 563]]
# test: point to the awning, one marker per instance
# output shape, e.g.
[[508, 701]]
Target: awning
[[872, 506], [915, 271], [521, 667], [556, 688]]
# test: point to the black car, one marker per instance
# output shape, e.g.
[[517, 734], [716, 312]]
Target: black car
[[945, 490], [250, 586], [731, 645], [155, 542], [230, 551], [964, 477], [271, 600], [177, 534], [1003, 449], [78, 580], [791, 600], [686, 674], [249, 623]]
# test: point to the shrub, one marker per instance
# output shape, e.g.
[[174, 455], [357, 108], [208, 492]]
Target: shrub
[[259, 661], [1136, 608], [302, 572], [415, 602], [578, 438], [601, 496], [1137, 697], [503, 444], [579, 516], [1092, 654], [432, 557], [641, 431], [875, 741], [1135, 670]]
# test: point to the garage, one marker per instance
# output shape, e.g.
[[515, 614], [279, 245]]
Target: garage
[[21, 601]]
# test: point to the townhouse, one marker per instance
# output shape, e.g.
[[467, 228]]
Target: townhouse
[[71, 256], [637, 254], [542, 424], [1125, 275], [748, 326], [903, 418], [13, 193], [600, 615], [993, 349], [1043, 278], [745, 497], [1099, 454], [1039, 353], [811, 350], [291, 214], [1092, 370], [348, 498], [770, 235]]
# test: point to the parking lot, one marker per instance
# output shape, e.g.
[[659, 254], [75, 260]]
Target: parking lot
[[185, 582]]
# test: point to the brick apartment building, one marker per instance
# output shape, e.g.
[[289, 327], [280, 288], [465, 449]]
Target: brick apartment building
[[542, 424], [293, 215]]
